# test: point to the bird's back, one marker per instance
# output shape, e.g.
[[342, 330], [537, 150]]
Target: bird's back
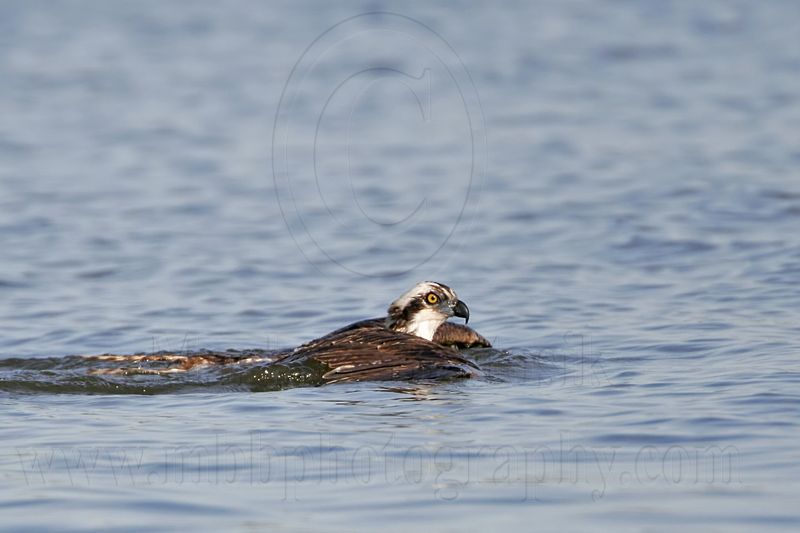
[[367, 350]]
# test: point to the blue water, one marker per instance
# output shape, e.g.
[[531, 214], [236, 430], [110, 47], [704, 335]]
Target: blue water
[[611, 186]]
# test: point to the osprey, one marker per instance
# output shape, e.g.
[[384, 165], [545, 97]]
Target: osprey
[[414, 340]]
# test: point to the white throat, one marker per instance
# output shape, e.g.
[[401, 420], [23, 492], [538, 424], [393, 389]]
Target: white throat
[[424, 323]]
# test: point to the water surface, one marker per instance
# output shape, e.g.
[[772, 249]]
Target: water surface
[[611, 186]]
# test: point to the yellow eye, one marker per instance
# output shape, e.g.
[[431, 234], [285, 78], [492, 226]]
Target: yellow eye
[[432, 298]]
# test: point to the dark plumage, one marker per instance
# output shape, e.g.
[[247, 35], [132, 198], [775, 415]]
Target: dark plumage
[[367, 350], [412, 341], [460, 336], [395, 347]]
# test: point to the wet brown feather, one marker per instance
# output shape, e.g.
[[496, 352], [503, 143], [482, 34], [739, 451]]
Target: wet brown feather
[[459, 335], [366, 350]]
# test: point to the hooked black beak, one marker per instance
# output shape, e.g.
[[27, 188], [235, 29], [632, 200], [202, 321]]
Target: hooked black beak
[[461, 310]]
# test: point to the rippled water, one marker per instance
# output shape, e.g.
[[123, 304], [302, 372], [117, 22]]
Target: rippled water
[[611, 186]]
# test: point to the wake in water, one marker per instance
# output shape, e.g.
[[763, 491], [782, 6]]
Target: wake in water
[[413, 342], [155, 373], [168, 372]]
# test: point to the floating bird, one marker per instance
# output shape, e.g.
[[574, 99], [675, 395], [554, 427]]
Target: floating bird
[[414, 341]]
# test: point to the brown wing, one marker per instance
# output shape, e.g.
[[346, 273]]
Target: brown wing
[[368, 351], [460, 336], [360, 351], [448, 334], [166, 362]]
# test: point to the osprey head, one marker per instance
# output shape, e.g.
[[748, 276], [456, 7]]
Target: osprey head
[[424, 308]]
